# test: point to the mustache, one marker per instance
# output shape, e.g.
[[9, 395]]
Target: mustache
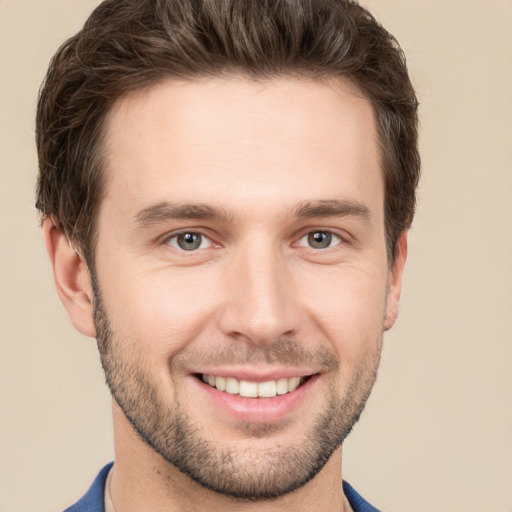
[[283, 351]]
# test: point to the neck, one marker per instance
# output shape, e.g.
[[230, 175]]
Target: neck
[[142, 481]]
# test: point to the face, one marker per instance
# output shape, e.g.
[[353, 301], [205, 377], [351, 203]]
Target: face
[[241, 280]]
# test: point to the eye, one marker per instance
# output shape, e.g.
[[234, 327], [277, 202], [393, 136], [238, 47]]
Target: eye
[[320, 240], [189, 241]]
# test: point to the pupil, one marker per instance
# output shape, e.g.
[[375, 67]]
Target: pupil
[[320, 240], [189, 241]]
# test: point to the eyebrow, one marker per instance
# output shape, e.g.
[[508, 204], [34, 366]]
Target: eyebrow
[[332, 208], [165, 211]]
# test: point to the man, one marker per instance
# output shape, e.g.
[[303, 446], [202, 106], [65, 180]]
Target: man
[[226, 188]]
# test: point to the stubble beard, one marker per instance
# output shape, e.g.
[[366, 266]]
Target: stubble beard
[[229, 470]]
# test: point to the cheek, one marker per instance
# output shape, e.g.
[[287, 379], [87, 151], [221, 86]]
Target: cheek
[[347, 305], [160, 311]]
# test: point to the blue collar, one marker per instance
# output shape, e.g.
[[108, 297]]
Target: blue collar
[[92, 501]]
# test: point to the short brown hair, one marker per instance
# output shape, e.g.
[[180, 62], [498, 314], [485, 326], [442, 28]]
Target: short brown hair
[[129, 44]]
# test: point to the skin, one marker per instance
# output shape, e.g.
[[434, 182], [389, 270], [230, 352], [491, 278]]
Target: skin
[[259, 153]]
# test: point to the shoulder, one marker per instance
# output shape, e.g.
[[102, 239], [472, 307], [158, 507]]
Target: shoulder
[[92, 501], [357, 502]]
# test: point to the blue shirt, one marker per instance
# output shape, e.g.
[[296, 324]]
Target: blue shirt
[[92, 501]]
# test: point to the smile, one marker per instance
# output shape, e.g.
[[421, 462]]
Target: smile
[[251, 389], [253, 398]]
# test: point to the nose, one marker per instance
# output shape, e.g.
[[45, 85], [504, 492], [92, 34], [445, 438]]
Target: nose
[[259, 303]]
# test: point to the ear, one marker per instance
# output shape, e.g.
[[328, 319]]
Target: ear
[[71, 277], [395, 282]]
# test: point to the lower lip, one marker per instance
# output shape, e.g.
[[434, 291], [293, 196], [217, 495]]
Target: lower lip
[[258, 410]]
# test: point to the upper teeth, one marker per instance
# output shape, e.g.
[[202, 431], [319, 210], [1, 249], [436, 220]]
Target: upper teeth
[[247, 388]]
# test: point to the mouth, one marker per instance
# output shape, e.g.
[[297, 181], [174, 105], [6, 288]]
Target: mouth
[[251, 389], [249, 398]]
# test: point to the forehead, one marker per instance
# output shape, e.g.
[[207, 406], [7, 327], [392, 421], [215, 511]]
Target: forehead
[[194, 140]]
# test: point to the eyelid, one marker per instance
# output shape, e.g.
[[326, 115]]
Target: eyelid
[[165, 240], [343, 236], [336, 240]]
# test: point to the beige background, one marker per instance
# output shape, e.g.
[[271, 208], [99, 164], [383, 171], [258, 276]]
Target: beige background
[[437, 433]]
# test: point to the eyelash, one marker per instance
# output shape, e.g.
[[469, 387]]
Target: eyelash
[[328, 233], [175, 237]]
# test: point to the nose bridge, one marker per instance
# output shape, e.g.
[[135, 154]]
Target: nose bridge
[[259, 303]]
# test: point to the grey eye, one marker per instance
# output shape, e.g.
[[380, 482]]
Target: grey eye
[[319, 240], [189, 241]]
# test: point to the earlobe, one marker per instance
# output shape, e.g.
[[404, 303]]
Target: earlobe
[[395, 282], [71, 277]]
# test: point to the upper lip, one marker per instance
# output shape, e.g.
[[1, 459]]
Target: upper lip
[[256, 375]]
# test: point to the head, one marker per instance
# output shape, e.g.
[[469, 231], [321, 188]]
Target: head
[[129, 45], [267, 99]]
